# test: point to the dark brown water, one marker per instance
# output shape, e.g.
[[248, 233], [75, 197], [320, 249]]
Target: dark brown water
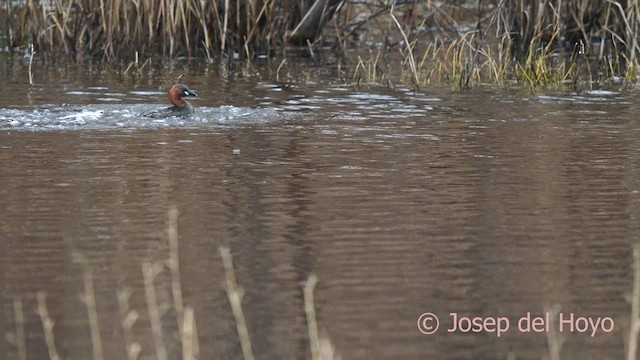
[[488, 203]]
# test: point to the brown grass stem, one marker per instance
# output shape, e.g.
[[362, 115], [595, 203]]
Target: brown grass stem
[[18, 313], [526, 34], [225, 23], [174, 266], [412, 60], [554, 339], [282, 64], [235, 295], [634, 328], [310, 311], [47, 325], [321, 346], [149, 273], [476, 55], [92, 313], [189, 336], [33, 52], [127, 319]]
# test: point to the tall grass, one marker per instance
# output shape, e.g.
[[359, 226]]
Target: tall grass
[[540, 44], [463, 43], [118, 29], [320, 345]]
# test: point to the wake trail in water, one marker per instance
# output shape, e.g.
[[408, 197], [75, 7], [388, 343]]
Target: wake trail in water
[[120, 116]]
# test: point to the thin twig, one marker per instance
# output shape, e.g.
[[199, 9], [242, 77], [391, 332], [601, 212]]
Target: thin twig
[[127, 319], [554, 339], [92, 313], [412, 61], [235, 299], [634, 328], [21, 347], [33, 52], [310, 310], [481, 44], [190, 347], [174, 266], [47, 325], [149, 272]]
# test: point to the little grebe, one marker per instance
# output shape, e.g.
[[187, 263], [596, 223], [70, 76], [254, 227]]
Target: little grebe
[[180, 107]]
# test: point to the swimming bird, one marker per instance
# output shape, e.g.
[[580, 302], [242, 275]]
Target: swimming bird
[[180, 107]]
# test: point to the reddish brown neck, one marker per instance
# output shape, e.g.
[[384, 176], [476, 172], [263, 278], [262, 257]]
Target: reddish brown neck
[[175, 96]]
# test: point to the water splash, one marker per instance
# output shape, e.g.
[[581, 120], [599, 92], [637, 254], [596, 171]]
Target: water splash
[[121, 116]]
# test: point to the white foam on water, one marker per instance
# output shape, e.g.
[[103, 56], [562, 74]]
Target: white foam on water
[[118, 116]]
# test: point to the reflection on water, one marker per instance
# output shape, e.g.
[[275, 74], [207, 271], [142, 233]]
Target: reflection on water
[[482, 204]]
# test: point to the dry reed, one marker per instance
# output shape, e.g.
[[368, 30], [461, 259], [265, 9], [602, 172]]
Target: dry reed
[[47, 325], [115, 30], [634, 328], [527, 41], [174, 266], [21, 346], [89, 300], [189, 336], [490, 42], [555, 340], [127, 319], [310, 310], [321, 346], [149, 272], [409, 55], [235, 295]]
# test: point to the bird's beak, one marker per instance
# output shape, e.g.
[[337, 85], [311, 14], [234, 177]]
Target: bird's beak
[[192, 93]]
